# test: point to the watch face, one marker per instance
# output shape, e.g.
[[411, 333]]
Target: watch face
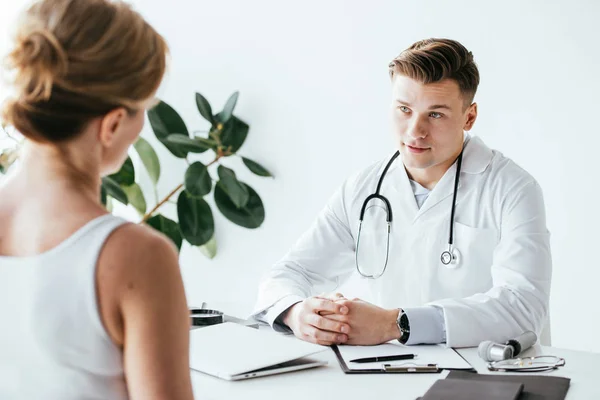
[[404, 322], [404, 329]]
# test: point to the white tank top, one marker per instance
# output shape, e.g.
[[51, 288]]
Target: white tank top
[[53, 344]]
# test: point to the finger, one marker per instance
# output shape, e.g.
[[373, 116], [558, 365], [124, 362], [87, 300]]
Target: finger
[[345, 303], [325, 313], [342, 318], [330, 325], [331, 296], [320, 305], [335, 297], [323, 337]]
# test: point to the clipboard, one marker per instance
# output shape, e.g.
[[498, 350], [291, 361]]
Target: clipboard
[[413, 368], [431, 368]]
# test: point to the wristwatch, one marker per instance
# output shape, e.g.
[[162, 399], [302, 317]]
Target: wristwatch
[[403, 326]]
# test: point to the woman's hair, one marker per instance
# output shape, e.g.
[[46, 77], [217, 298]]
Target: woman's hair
[[75, 60]]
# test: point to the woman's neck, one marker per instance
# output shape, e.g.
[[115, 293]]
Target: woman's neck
[[45, 165]]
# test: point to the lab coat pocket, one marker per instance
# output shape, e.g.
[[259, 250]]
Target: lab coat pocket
[[473, 273]]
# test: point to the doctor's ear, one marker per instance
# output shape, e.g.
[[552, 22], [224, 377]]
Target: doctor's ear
[[471, 116], [110, 126]]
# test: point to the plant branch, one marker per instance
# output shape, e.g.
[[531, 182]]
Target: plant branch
[[166, 199], [163, 201], [11, 137]]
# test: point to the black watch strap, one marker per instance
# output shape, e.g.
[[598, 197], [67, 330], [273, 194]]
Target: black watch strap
[[403, 326]]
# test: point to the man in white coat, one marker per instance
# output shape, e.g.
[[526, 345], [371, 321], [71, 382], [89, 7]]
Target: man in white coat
[[494, 282]]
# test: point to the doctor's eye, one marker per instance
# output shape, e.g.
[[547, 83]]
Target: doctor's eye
[[404, 109], [435, 115]]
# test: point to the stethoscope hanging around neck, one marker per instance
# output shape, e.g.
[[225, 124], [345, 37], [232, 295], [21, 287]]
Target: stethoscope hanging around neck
[[449, 258], [389, 217]]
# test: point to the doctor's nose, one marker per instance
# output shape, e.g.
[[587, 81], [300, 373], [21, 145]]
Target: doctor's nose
[[416, 131]]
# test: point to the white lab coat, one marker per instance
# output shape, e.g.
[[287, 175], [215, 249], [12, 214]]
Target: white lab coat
[[502, 284]]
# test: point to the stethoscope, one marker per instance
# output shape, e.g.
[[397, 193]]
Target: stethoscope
[[449, 258]]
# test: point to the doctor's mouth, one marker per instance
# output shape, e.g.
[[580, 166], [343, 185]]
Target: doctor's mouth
[[416, 150]]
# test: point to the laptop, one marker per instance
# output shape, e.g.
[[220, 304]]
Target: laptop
[[234, 352]]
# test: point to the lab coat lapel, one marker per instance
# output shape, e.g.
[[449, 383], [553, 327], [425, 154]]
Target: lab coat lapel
[[402, 198], [441, 191], [476, 158]]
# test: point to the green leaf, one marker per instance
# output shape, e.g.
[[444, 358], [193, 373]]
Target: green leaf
[[234, 133], [186, 143], [103, 196], [195, 219], [167, 227], [256, 167], [207, 142], [126, 175], [236, 191], [114, 190], [197, 180], [227, 112], [109, 204], [149, 159], [250, 216], [136, 197], [204, 108], [165, 121], [210, 248], [7, 158]]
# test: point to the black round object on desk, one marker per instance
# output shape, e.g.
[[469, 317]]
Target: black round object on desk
[[205, 317]]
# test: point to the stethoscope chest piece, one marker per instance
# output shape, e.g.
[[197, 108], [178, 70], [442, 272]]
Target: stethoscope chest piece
[[450, 258]]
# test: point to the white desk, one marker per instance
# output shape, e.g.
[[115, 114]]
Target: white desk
[[331, 383]]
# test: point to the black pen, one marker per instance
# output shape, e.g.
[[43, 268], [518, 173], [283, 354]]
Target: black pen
[[384, 358]]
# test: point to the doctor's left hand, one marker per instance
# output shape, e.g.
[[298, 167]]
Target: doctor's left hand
[[369, 324]]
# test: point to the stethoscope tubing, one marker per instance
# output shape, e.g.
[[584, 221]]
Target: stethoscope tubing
[[450, 257]]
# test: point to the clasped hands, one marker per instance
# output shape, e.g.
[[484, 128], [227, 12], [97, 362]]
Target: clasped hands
[[333, 319]]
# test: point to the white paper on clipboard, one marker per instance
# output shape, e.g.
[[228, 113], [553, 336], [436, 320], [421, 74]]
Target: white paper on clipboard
[[444, 357]]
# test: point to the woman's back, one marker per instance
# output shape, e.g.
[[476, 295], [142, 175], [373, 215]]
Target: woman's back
[[91, 307], [53, 341]]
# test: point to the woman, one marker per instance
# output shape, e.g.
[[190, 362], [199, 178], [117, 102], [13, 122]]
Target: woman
[[92, 307]]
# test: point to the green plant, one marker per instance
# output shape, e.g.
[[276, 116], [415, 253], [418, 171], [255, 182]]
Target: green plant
[[236, 200], [8, 153]]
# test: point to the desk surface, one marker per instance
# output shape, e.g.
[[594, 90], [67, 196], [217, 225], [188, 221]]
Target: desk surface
[[329, 382]]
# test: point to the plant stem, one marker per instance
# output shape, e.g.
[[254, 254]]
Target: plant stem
[[11, 137], [163, 201]]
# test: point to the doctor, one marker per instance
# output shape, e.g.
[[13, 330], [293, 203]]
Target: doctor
[[450, 235]]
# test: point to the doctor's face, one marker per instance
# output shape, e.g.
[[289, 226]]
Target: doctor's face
[[429, 120]]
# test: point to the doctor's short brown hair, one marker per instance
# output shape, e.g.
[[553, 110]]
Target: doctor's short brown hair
[[433, 60]]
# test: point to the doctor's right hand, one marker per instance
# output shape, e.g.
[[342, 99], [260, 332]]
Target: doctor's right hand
[[304, 320]]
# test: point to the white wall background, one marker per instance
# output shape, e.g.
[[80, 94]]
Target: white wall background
[[315, 91]]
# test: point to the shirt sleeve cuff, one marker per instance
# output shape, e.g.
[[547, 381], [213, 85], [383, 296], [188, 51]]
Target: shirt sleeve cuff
[[426, 325], [272, 315]]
